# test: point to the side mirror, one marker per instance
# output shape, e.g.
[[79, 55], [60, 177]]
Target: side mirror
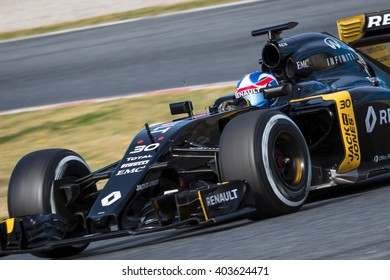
[[181, 108], [281, 90]]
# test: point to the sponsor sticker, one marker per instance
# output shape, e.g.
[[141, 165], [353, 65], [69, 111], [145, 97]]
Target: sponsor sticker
[[221, 197], [376, 118], [332, 43], [380, 49], [136, 158], [381, 158], [111, 198], [348, 127], [137, 163], [378, 20], [348, 130], [129, 171], [146, 185]]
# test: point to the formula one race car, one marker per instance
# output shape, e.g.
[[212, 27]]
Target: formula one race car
[[322, 123]]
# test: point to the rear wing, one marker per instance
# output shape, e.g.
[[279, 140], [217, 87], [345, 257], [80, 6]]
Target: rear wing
[[370, 33]]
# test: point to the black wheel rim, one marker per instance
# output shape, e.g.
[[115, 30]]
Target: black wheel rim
[[288, 160]]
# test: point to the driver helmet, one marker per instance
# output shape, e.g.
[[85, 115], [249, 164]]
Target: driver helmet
[[250, 88]]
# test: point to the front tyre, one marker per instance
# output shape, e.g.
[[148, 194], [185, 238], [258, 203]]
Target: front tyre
[[267, 149], [31, 191]]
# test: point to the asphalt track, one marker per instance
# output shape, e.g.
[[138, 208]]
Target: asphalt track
[[156, 53], [198, 48]]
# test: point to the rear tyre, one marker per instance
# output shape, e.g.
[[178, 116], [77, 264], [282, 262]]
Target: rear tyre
[[267, 149], [31, 191]]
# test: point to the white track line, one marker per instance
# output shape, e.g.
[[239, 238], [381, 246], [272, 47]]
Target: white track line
[[127, 96]]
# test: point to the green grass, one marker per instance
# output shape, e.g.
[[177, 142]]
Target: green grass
[[99, 132], [144, 12], [57, 126]]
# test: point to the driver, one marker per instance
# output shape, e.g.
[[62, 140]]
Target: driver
[[248, 92]]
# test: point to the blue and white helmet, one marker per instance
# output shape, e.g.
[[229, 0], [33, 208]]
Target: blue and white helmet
[[250, 87]]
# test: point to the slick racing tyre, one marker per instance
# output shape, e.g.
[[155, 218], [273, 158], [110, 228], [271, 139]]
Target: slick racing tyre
[[267, 149], [31, 191]]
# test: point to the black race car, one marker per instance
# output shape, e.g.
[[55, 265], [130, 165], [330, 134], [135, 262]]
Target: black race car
[[326, 126]]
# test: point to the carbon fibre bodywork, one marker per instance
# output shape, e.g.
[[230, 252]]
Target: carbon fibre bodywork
[[170, 175]]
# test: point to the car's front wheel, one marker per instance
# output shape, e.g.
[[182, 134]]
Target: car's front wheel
[[267, 149], [31, 191]]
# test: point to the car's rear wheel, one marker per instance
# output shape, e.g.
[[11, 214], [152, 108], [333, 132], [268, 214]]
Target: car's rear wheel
[[267, 149], [31, 191]]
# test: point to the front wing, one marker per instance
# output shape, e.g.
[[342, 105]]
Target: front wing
[[211, 205]]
